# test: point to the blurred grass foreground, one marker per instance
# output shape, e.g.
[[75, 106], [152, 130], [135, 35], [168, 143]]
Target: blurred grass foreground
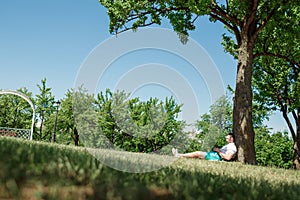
[[36, 170]]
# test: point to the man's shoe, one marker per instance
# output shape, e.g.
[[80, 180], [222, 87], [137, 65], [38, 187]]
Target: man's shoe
[[175, 152]]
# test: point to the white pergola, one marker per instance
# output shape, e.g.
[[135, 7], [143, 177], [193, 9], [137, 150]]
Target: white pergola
[[30, 103]]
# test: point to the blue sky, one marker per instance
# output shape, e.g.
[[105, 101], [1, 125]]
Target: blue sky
[[52, 39]]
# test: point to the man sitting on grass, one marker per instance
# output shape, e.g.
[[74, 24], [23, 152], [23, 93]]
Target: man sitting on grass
[[227, 152]]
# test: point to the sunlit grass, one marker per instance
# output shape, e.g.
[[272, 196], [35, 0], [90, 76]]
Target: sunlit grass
[[37, 170]]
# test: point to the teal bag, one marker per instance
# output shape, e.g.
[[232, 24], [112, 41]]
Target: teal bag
[[212, 156]]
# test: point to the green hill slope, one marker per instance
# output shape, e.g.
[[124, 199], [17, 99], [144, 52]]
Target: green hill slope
[[34, 170]]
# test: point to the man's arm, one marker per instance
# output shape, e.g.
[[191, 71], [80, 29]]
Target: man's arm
[[226, 156]]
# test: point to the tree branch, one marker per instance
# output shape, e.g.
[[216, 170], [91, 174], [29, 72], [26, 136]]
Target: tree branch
[[253, 13], [215, 9], [131, 28], [264, 22], [219, 14], [227, 6], [295, 117], [135, 16], [293, 62], [269, 16], [234, 28], [283, 107], [289, 125]]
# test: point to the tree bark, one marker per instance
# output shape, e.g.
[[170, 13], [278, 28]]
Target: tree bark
[[296, 156], [41, 127], [76, 137], [242, 110], [296, 147]]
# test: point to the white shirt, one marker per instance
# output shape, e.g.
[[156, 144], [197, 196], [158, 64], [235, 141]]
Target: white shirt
[[230, 147]]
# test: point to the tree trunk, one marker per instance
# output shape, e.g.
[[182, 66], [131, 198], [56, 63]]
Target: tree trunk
[[296, 156], [242, 110], [41, 127], [76, 137], [295, 135], [296, 148]]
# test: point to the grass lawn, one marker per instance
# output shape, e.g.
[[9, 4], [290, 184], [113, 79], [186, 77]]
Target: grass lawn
[[36, 170]]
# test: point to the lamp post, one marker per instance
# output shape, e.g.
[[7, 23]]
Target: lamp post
[[54, 131]]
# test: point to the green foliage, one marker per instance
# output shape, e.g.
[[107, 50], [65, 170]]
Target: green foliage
[[86, 119], [272, 80], [213, 126], [230, 45], [51, 171], [44, 108], [281, 20], [133, 125], [276, 68], [111, 119], [66, 123], [137, 126], [15, 112], [281, 38], [131, 14], [273, 149]]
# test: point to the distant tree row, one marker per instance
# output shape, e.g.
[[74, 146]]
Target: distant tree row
[[113, 120], [105, 120]]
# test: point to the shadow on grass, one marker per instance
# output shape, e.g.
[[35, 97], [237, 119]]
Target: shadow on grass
[[32, 170]]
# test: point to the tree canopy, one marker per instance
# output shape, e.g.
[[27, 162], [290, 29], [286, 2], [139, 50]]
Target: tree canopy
[[276, 72]]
